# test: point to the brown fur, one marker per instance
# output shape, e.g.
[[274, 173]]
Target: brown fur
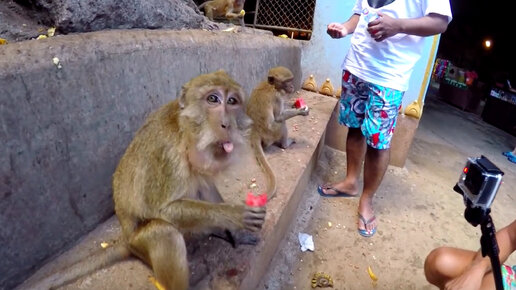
[[164, 187], [229, 9], [267, 110]]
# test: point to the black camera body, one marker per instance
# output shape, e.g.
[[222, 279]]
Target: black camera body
[[478, 183]]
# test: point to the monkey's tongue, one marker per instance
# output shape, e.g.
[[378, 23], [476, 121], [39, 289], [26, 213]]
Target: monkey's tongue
[[228, 147]]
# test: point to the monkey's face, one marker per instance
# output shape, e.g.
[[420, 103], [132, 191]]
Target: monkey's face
[[282, 79], [286, 87], [223, 109], [213, 114]]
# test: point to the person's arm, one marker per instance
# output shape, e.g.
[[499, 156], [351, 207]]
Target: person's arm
[[339, 30], [386, 26], [425, 26], [480, 266]]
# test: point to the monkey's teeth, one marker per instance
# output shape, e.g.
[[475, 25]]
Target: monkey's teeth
[[228, 147]]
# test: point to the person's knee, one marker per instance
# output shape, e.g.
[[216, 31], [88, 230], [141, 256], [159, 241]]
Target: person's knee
[[430, 262], [435, 265]]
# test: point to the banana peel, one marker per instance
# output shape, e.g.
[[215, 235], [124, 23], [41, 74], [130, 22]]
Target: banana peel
[[372, 274]]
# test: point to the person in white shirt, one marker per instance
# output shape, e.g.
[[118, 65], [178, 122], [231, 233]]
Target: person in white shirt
[[386, 42]]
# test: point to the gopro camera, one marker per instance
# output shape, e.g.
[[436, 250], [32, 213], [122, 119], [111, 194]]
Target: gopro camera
[[479, 182]]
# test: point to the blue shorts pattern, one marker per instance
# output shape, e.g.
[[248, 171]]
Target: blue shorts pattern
[[509, 277], [372, 108]]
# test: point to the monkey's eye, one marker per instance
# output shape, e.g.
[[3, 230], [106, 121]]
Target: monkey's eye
[[212, 98], [232, 101]]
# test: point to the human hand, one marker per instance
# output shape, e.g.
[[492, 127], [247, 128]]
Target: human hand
[[337, 30], [471, 279], [383, 27]]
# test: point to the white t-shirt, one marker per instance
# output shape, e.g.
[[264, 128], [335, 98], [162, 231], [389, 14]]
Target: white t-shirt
[[390, 62]]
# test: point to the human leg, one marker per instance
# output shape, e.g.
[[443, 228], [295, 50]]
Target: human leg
[[445, 263], [355, 150], [351, 114], [380, 118], [375, 165]]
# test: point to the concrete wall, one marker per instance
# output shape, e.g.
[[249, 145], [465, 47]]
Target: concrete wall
[[62, 130], [323, 55]]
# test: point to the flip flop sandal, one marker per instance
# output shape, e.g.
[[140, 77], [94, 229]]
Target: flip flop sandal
[[339, 193], [507, 154], [512, 158], [364, 232]]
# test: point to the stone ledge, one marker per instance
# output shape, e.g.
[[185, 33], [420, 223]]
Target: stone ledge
[[244, 266], [64, 129]]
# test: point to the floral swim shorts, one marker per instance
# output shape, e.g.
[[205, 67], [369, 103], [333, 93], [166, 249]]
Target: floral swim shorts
[[371, 107], [509, 277]]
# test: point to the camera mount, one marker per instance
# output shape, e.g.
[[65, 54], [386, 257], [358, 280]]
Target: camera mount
[[478, 184]]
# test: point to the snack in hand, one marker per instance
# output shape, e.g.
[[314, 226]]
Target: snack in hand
[[256, 200], [300, 104]]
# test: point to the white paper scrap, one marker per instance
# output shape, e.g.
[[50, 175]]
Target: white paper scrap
[[306, 241]]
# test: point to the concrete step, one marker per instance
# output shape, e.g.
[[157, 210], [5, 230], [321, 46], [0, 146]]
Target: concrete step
[[228, 268], [69, 106]]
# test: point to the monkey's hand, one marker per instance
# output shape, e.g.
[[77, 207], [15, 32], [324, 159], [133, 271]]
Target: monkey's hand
[[303, 111], [254, 218]]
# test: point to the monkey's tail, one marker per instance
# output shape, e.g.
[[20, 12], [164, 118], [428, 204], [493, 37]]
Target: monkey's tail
[[202, 5], [265, 166], [80, 269]]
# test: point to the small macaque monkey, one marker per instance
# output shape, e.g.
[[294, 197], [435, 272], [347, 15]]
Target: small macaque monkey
[[230, 9], [164, 184], [267, 108], [268, 111]]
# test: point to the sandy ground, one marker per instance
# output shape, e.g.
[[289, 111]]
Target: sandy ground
[[416, 207]]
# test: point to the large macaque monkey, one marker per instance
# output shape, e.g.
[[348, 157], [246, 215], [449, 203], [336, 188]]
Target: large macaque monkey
[[229, 9], [268, 111], [164, 187]]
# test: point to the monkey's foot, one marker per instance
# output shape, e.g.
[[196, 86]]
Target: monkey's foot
[[237, 238], [287, 143], [245, 238], [212, 26]]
